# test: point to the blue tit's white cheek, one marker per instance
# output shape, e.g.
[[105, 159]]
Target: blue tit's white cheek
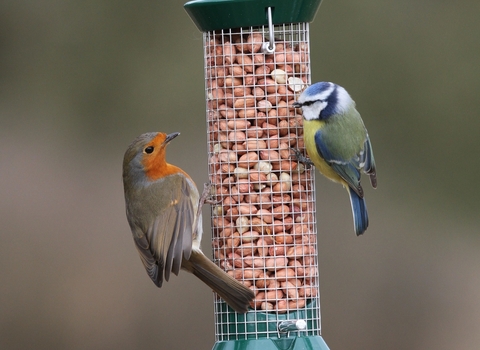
[[309, 112]]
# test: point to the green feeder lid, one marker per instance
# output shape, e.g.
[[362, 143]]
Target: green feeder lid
[[222, 14]]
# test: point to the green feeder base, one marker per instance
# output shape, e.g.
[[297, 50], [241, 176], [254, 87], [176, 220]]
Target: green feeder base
[[260, 330], [295, 343]]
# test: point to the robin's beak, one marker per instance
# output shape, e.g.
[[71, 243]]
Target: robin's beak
[[170, 137]]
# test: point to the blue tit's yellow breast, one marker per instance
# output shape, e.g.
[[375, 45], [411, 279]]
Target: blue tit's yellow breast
[[310, 127]]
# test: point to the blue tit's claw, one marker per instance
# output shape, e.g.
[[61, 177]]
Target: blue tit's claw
[[301, 158]]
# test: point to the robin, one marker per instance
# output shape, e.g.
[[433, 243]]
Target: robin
[[163, 209]]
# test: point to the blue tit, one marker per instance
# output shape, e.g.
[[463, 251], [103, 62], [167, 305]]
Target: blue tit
[[337, 142]]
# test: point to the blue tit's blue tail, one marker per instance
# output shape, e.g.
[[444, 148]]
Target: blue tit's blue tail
[[359, 211]]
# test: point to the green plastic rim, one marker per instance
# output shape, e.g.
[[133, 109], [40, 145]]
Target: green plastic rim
[[211, 15], [258, 330], [259, 324]]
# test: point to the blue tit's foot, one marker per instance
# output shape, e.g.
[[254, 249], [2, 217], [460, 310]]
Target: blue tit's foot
[[301, 158]]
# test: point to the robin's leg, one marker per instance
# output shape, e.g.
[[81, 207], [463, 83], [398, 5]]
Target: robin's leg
[[205, 198]]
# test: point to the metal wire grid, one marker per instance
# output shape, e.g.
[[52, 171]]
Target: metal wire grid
[[264, 229]]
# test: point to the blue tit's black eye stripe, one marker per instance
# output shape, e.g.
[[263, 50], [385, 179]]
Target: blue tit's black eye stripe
[[308, 103]]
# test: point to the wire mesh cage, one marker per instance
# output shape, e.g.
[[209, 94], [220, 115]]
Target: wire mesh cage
[[264, 230]]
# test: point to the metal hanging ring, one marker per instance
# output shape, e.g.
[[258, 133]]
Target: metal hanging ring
[[270, 46]]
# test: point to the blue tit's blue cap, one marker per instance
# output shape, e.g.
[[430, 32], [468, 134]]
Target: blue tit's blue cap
[[318, 88]]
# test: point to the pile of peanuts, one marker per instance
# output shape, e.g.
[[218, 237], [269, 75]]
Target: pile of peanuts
[[264, 232]]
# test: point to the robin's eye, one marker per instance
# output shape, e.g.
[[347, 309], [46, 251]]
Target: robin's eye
[[149, 149]]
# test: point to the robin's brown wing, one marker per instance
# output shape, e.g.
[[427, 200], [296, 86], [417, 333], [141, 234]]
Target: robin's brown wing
[[165, 236]]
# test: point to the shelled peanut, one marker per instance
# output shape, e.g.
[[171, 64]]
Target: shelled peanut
[[263, 223]]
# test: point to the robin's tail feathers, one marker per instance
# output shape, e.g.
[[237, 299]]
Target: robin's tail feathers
[[233, 292]]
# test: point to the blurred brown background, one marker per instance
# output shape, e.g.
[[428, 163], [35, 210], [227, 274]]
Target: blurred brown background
[[80, 79]]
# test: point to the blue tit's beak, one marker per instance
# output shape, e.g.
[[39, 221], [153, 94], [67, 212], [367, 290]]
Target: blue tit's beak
[[170, 137], [296, 104]]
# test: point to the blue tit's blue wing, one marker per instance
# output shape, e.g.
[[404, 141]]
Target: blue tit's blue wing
[[347, 167], [369, 163]]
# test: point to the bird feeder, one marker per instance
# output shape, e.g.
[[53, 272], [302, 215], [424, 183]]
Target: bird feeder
[[257, 62]]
